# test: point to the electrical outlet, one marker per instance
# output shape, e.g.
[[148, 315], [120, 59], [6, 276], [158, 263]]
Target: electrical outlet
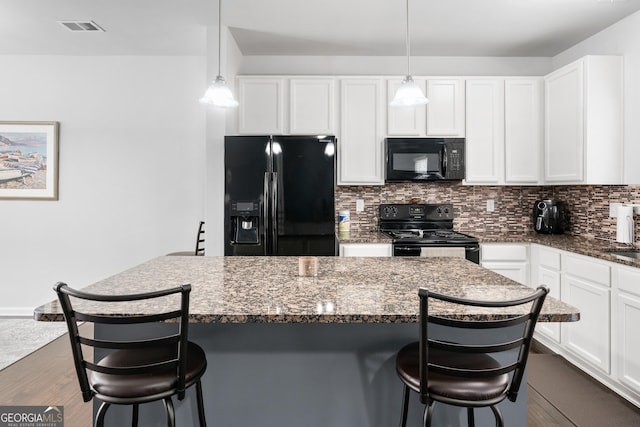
[[490, 205], [613, 209], [359, 205]]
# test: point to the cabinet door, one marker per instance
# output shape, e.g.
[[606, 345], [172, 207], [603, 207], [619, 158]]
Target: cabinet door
[[360, 149], [445, 110], [589, 338], [523, 131], [551, 279], [312, 106], [564, 125], [485, 131], [261, 109], [405, 121], [514, 270], [628, 341]]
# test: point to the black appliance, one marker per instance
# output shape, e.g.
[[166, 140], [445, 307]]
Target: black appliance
[[548, 217], [425, 159], [279, 195], [416, 226]]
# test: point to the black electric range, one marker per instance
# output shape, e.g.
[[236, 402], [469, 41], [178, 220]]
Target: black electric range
[[416, 226]]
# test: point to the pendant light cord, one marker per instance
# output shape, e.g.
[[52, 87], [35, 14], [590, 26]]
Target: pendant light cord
[[407, 42], [220, 34]]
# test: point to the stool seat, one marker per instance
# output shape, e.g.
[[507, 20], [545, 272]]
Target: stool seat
[[449, 386], [115, 387]]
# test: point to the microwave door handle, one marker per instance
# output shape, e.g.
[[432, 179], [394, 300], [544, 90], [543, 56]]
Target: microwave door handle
[[444, 161]]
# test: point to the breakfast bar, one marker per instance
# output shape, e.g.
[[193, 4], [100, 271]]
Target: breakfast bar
[[291, 350]]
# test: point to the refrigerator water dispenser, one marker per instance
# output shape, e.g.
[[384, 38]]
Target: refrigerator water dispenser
[[245, 222]]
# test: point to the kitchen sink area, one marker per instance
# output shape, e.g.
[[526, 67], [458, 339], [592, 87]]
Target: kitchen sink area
[[629, 253]]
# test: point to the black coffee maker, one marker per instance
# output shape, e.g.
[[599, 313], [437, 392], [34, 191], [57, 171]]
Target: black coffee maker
[[548, 217]]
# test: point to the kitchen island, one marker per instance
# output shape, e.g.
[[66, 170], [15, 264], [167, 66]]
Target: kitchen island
[[288, 350]]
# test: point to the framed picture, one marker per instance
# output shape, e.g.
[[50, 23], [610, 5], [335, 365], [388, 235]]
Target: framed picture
[[29, 160]]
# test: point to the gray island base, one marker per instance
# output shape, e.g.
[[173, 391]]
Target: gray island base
[[285, 350]]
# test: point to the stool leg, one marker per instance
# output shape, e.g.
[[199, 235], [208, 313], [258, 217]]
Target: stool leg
[[470, 418], [203, 422], [134, 418], [405, 406], [171, 416], [428, 412], [498, 415], [102, 411]]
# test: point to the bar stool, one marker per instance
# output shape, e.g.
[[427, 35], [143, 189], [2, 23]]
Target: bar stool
[[199, 244], [135, 371], [474, 374]]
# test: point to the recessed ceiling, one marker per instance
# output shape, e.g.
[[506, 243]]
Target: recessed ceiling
[[309, 27]]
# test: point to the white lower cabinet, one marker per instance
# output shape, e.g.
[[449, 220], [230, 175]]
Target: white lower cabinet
[[507, 259], [545, 271], [365, 249], [605, 342], [589, 338], [626, 339]]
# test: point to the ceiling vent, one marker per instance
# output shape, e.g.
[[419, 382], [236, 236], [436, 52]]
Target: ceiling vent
[[84, 26]]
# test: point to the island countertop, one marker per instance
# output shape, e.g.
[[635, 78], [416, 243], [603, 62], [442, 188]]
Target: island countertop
[[346, 290]]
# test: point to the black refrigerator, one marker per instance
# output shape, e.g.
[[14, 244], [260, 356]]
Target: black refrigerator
[[279, 195]]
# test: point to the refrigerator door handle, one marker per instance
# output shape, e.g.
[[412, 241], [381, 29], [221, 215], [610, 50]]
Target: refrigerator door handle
[[265, 213], [274, 213]]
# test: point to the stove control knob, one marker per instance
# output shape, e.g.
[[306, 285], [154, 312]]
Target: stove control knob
[[390, 211]]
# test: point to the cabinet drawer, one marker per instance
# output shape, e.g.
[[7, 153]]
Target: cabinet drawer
[[629, 280], [504, 252], [587, 269]]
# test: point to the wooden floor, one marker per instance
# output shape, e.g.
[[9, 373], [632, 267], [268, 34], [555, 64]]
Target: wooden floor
[[47, 377]]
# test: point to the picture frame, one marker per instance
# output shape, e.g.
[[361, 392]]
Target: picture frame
[[29, 160]]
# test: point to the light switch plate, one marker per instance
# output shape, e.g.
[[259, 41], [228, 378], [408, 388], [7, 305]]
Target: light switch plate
[[613, 209], [359, 205], [490, 205]]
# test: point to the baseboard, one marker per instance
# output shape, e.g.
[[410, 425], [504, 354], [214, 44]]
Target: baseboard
[[16, 312]]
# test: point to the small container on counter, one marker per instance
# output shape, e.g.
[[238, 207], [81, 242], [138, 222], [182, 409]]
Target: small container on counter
[[344, 221]]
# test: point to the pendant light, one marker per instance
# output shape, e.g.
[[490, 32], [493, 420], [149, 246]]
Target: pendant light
[[219, 94], [408, 94]]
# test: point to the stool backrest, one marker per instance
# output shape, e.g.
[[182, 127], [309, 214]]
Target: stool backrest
[[504, 336], [200, 240], [107, 309]]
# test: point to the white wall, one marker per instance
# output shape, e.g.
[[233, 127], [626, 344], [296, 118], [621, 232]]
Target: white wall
[[622, 38], [131, 169], [395, 65]]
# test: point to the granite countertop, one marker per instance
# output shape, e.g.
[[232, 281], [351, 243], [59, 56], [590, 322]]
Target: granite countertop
[[363, 236], [595, 248], [346, 290]]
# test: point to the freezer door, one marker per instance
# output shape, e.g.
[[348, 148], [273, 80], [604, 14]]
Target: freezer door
[[247, 172], [304, 195]]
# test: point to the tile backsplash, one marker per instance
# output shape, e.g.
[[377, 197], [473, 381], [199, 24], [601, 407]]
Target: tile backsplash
[[587, 206]]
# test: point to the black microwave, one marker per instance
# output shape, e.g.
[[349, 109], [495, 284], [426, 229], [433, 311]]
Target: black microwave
[[425, 159]]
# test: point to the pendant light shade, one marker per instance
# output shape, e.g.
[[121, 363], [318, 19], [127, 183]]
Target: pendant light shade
[[219, 94], [408, 94]]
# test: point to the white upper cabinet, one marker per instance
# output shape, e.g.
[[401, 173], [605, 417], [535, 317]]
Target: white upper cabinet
[[445, 110], [523, 130], [312, 106], [262, 103], [405, 121], [442, 116], [583, 122], [360, 147], [485, 131]]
